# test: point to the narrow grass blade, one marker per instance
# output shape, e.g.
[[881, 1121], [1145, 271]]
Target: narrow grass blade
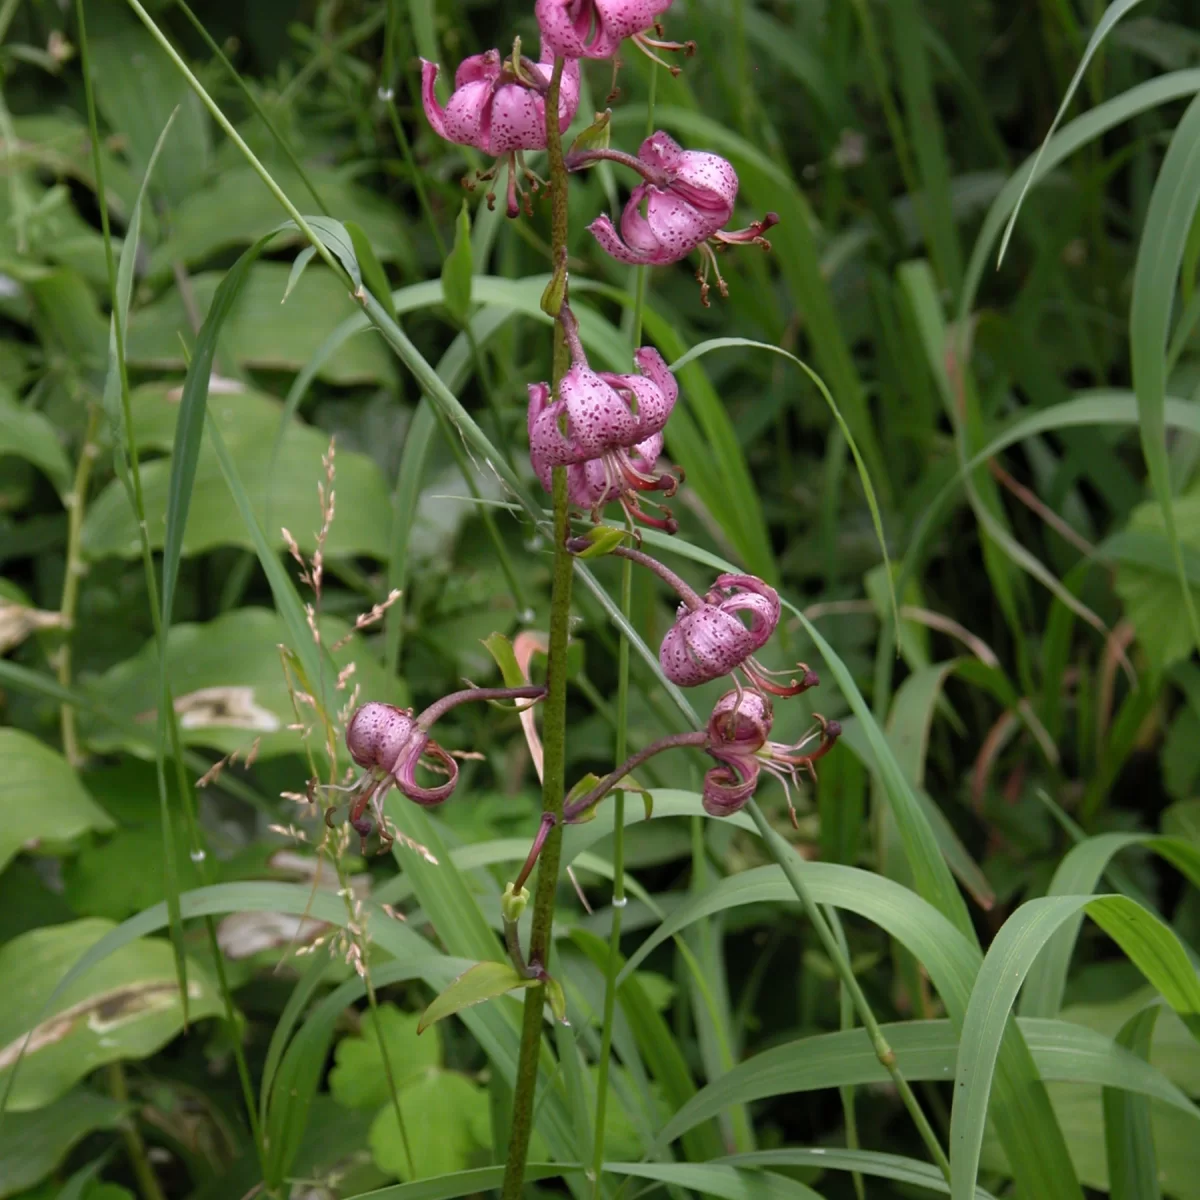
[[863, 475], [925, 1050], [1076, 134], [1164, 237], [1128, 1132], [1151, 946], [1112, 15]]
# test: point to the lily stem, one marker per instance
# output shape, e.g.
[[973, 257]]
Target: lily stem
[[786, 858], [554, 729]]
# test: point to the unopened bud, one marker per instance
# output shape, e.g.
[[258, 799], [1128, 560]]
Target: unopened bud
[[512, 904]]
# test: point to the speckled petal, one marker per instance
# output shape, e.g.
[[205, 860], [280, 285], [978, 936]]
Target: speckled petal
[[605, 233], [547, 441], [377, 735], [479, 68], [740, 721], [748, 594], [468, 113], [677, 226], [704, 645], [518, 120], [588, 485], [598, 417], [707, 181]]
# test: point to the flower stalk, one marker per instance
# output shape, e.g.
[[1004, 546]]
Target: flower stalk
[[554, 727]]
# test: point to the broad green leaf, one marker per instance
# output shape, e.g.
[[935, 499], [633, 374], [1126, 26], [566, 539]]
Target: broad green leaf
[[228, 683], [26, 433], [358, 1080], [33, 1143], [126, 1006], [248, 421], [1146, 577], [233, 208], [446, 1116], [483, 981], [41, 798], [261, 331], [1150, 944]]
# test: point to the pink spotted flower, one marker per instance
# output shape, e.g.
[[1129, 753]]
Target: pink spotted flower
[[596, 28], [685, 200], [721, 632], [500, 108], [738, 736], [606, 429], [391, 744]]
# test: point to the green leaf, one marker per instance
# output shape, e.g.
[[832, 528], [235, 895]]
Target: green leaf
[[1078, 873], [32, 1144], [229, 683], [1112, 15], [127, 1006], [41, 798], [483, 981], [446, 1116], [924, 1050], [248, 421], [458, 268], [718, 1179], [501, 649], [1168, 221], [1150, 944], [358, 1080], [261, 332], [557, 999], [27, 434], [1128, 1132], [373, 273]]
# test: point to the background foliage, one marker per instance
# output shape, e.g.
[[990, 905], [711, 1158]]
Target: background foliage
[[1032, 722]]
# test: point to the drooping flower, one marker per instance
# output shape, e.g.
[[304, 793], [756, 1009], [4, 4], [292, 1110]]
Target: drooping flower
[[499, 106], [683, 203], [738, 733], [596, 28], [390, 743], [721, 633], [606, 429]]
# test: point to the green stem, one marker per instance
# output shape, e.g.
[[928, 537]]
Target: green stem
[[72, 575], [619, 901], [135, 1148], [786, 858], [554, 717]]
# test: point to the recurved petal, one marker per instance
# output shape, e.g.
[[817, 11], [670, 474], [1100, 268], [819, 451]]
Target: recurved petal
[[728, 786], [624, 18], [706, 180], [478, 68], [468, 113], [434, 112], [548, 441], [605, 233], [406, 779]]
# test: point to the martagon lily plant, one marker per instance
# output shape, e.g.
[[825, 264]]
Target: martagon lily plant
[[596, 438]]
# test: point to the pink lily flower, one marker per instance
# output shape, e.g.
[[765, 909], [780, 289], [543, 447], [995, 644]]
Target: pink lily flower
[[390, 743], [606, 429], [738, 733], [499, 106], [683, 203], [596, 28], [721, 633]]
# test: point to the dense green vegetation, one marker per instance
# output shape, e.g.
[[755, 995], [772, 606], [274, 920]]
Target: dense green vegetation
[[966, 453]]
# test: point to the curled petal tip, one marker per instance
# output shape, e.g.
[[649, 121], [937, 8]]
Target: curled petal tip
[[434, 112]]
